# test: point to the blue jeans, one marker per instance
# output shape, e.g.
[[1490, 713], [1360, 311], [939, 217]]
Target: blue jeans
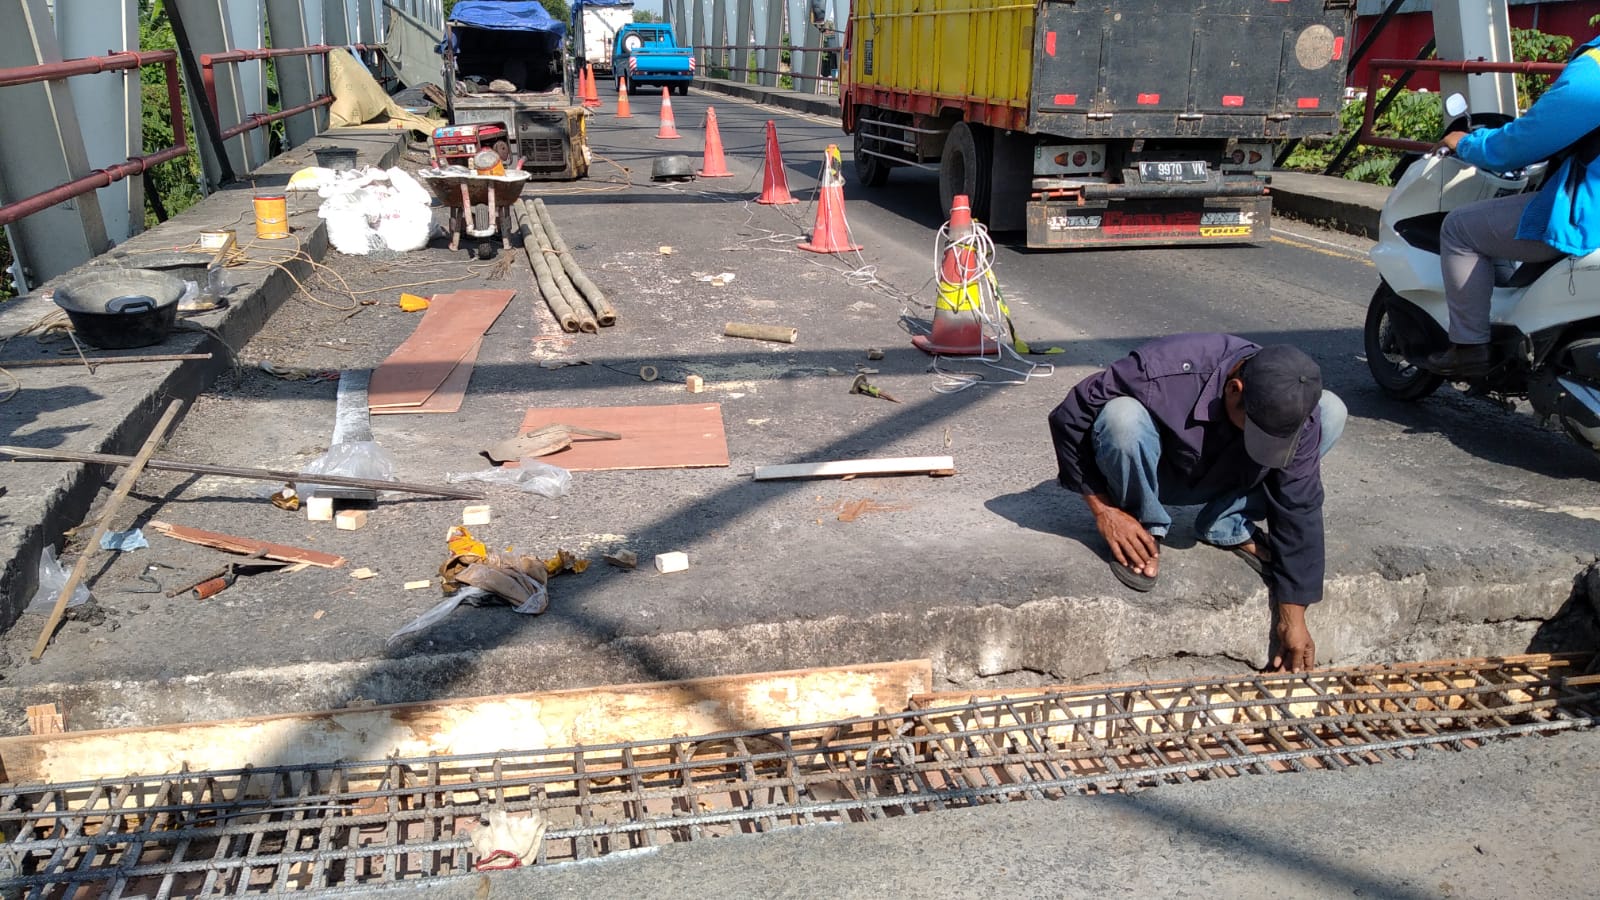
[[1128, 451]]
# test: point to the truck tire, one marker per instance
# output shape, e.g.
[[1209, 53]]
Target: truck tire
[[872, 171], [965, 168]]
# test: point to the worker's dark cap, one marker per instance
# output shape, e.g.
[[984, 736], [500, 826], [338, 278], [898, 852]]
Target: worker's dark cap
[[1281, 387]]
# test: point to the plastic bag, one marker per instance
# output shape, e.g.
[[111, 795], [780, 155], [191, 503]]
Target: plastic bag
[[52, 578], [352, 459], [437, 612], [532, 476]]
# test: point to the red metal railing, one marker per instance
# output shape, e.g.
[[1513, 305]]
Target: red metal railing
[[1459, 67], [99, 178], [209, 62]]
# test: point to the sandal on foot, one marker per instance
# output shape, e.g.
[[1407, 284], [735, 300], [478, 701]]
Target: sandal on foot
[[1253, 560], [1137, 580]]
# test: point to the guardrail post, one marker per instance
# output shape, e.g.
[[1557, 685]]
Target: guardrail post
[[771, 55], [40, 144], [205, 28], [719, 36], [336, 23], [366, 21], [286, 22], [743, 14], [107, 105]]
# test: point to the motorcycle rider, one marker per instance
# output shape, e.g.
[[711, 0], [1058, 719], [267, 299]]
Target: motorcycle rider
[[1563, 126]]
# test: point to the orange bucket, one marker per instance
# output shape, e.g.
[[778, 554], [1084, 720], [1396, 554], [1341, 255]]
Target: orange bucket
[[272, 218]]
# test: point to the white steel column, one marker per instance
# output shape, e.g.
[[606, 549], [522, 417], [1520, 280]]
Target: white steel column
[[107, 104], [205, 22], [335, 23], [46, 150], [286, 21], [244, 20], [743, 13], [366, 21], [799, 29], [719, 33], [1469, 31], [771, 38]]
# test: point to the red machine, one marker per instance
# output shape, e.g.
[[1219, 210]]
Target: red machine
[[455, 145]]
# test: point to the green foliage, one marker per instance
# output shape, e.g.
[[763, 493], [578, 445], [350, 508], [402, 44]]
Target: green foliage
[[645, 16], [1528, 45], [176, 183], [1415, 115]]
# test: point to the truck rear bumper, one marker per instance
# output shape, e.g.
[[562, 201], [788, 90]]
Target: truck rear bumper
[[1064, 225]]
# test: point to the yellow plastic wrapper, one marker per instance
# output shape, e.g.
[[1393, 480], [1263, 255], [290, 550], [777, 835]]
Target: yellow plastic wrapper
[[462, 543], [566, 561], [413, 303]]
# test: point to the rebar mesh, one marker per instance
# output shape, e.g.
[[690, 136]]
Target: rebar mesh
[[340, 827]]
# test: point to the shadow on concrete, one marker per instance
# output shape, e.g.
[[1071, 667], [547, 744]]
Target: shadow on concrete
[[31, 405]]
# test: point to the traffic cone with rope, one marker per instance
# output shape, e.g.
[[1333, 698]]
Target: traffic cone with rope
[[958, 325], [714, 166], [592, 98], [830, 234], [774, 183], [669, 125], [624, 110]]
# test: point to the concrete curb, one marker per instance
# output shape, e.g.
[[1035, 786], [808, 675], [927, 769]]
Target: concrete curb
[[1336, 203], [48, 498]]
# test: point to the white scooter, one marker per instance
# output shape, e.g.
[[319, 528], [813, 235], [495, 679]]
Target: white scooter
[[1545, 317]]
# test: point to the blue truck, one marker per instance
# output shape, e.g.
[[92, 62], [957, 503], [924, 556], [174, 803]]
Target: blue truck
[[649, 54]]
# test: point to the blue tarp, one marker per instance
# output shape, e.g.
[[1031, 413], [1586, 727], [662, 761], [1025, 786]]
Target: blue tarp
[[505, 16]]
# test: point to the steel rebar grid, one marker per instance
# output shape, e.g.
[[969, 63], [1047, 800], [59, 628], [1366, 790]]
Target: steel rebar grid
[[280, 829]]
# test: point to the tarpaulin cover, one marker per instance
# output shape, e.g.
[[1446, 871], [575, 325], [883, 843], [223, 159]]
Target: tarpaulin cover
[[505, 16]]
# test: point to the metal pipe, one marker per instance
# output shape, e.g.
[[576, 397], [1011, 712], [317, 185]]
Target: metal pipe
[[88, 65], [256, 120]]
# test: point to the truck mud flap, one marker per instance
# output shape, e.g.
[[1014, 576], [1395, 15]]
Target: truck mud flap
[[1064, 225]]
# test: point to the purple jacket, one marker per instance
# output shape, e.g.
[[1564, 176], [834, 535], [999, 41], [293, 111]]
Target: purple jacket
[[1179, 380]]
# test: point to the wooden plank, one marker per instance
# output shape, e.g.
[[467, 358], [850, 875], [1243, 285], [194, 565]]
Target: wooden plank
[[531, 721], [124, 486], [905, 465], [45, 719], [447, 332], [679, 436], [447, 398], [232, 544]]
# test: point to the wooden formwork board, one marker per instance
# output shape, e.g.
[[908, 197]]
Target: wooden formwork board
[[531, 721]]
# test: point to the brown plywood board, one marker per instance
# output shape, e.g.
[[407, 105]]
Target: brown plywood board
[[446, 334], [235, 544], [679, 436], [509, 722], [448, 396]]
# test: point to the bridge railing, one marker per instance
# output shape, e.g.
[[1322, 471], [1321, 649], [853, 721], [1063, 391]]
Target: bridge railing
[[250, 121], [1373, 107], [99, 178]]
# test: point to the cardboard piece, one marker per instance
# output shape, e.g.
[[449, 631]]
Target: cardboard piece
[[678, 436], [449, 331], [447, 397]]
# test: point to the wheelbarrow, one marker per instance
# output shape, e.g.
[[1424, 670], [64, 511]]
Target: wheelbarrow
[[479, 204]]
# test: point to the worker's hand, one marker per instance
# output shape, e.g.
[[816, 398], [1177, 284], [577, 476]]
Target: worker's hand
[[1297, 652], [1449, 141], [1131, 544]]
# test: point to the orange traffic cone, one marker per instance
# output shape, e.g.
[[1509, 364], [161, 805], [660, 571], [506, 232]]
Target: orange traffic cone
[[714, 166], [624, 110], [958, 326], [591, 99], [830, 234], [774, 183], [669, 125]]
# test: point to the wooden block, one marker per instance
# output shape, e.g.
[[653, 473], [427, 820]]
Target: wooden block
[[418, 585], [350, 519], [477, 515], [319, 509], [363, 573], [676, 561], [45, 719], [694, 384]]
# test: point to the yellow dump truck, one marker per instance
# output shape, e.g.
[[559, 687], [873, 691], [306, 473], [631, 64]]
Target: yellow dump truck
[[1095, 124]]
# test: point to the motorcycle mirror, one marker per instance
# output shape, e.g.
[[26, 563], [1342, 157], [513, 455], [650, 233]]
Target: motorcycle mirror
[[1455, 106]]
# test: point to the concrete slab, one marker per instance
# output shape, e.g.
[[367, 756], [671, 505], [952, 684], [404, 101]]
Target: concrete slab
[[112, 409]]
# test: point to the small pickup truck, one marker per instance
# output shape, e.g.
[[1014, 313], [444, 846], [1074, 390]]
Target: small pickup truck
[[648, 54]]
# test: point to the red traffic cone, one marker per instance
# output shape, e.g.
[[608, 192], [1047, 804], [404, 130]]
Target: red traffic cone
[[958, 327], [774, 183], [669, 125], [830, 234], [714, 166], [591, 97], [624, 110]]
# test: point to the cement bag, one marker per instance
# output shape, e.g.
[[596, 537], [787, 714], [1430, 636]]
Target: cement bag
[[406, 218]]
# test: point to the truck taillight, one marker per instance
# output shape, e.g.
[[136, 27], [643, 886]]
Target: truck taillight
[[1070, 159], [1250, 156]]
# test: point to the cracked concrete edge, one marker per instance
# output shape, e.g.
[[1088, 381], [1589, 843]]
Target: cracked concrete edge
[[1058, 640], [1320, 200], [72, 496]]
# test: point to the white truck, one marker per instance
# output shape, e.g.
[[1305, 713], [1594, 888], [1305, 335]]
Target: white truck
[[594, 30]]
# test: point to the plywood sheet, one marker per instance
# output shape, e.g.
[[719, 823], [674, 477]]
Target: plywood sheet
[[447, 333], [680, 436], [235, 544], [533, 721], [447, 398]]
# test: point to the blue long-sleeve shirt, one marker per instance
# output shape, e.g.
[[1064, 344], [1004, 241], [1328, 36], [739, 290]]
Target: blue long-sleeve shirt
[[1561, 116], [1179, 381]]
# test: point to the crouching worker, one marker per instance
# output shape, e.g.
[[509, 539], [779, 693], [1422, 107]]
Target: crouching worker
[[1215, 421]]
